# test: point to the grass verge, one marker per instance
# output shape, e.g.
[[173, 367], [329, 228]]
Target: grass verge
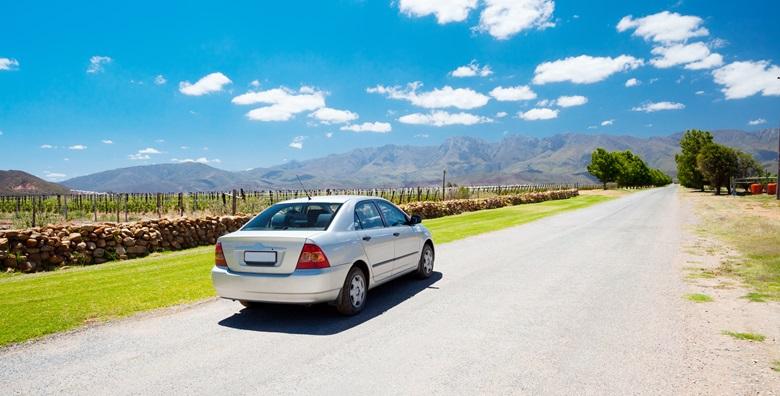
[[698, 298], [745, 336], [35, 305]]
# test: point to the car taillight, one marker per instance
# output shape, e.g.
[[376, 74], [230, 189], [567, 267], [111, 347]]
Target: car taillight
[[219, 256], [312, 257]]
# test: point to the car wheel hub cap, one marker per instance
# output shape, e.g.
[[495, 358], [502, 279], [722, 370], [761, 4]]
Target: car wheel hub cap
[[427, 261], [357, 290]]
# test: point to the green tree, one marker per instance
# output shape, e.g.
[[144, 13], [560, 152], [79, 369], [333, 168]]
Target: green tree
[[717, 163], [633, 172], [659, 178], [691, 144], [604, 166]]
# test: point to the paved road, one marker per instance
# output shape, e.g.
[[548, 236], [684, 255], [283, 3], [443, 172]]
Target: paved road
[[586, 302]]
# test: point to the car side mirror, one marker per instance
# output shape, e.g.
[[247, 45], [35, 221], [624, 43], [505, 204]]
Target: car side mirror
[[415, 219]]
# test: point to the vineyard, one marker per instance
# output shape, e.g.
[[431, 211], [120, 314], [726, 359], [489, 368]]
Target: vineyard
[[35, 210]]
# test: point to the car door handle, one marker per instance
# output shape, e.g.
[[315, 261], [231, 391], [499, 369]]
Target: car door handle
[[396, 234], [366, 238]]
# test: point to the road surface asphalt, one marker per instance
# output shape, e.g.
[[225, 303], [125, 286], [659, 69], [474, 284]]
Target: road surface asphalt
[[584, 302]]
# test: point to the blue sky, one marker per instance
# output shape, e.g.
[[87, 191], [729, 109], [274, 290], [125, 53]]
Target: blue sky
[[90, 86]]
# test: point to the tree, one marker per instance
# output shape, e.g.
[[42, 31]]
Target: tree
[[603, 166], [659, 178], [717, 163], [691, 144], [633, 172]]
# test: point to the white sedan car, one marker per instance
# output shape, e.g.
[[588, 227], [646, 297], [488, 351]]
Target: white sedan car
[[321, 249]]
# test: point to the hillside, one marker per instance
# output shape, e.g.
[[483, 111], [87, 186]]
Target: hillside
[[468, 160], [16, 182]]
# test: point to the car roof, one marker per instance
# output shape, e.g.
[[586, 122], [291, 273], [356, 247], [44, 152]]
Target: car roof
[[330, 199]]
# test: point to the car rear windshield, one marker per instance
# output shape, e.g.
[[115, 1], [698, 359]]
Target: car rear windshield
[[294, 216]]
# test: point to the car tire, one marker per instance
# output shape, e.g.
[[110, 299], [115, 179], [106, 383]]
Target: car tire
[[354, 293], [425, 266]]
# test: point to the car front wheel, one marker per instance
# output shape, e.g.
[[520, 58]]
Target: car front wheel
[[425, 266]]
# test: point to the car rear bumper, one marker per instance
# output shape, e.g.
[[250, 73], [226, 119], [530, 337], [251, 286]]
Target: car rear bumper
[[300, 287]]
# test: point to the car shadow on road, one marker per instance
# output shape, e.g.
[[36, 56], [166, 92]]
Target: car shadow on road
[[322, 319]]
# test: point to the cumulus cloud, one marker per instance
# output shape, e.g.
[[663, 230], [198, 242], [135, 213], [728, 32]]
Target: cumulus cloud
[[583, 69], [107, 141], [664, 27], [77, 147], [632, 82], [571, 101], [160, 80], [297, 142], [694, 56], [378, 127], [144, 154], [8, 64], [47, 146], [757, 121], [538, 114], [471, 70], [199, 160], [328, 135], [443, 118], [210, 83], [97, 63], [508, 94], [503, 19], [445, 11], [283, 102], [461, 98], [326, 115], [744, 79], [501, 114], [652, 107], [54, 176], [607, 122]]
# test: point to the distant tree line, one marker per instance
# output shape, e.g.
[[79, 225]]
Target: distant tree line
[[624, 168], [703, 162]]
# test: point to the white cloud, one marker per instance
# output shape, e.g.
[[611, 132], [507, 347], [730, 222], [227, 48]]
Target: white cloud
[[255, 83], [471, 70], [422, 136], [538, 114], [632, 82], [209, 83], [607, 122], [443, 118], [545, 103], [520, 92], [743, 79], [107, 141], [757, 121], [461, 98], [77, 147], [326, 115], [199, 160], [284, 103], [695, 56], [503, 19], [379, 127], [184, 147], [699, 92], [664, 27], [445, 11], [501, 114], [144, 154], [297, 142], [97, 62], [652, 107], [583, 69], [571, 101], [328, 135], [53, 176], [149, 150], [138, 157], [160, 80], [8, 64], [47, 146]]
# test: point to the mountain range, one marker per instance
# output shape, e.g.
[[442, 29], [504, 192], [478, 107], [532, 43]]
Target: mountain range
[[16, 182], [468, 160]]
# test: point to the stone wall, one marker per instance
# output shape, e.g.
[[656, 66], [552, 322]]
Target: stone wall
[[53, 246]]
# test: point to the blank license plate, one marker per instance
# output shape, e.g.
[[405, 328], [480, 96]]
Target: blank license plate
[[264, 258]]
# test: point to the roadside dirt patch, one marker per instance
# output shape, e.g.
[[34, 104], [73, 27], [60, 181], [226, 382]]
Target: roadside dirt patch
[[719, 363]]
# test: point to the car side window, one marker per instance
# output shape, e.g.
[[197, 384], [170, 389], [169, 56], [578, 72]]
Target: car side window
[[368, 215], [393, 216]]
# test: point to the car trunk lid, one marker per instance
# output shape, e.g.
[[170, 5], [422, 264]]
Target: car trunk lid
[[264, 252]]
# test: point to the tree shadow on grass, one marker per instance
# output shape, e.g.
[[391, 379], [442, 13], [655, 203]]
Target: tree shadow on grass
[[322, 319]]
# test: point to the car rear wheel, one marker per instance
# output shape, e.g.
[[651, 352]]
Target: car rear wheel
[[425, 266], [353, 294], [249, 304]]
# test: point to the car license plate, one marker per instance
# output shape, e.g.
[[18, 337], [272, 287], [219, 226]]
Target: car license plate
[[260, 258]]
